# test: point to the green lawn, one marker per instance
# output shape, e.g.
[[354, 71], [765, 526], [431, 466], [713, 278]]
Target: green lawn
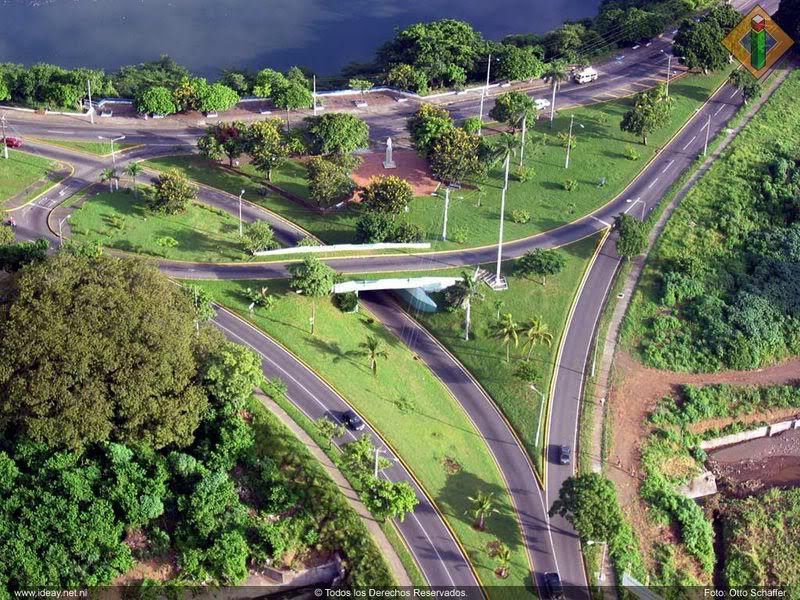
[[473, 214], [405, 402], [98, 148], [122, 222], [485, 356], [23, 174]]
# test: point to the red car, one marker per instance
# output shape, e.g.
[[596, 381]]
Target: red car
[[13, 142]]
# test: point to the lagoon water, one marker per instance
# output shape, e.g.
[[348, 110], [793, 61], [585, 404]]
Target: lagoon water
[[207, 35]]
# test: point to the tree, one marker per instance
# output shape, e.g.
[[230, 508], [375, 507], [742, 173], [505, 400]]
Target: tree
[[632, 240], [97, 349], [134, 170], [202, 301], [462, 294], [482, 507], [131, 80], [555, 73], [5, 93], [507, 331], [230, 372], [512, 107], [361, 85], [267, 145], [745, 82], [110, 175], [386, 499], [329, 181], [541, 262], [527, 373], [407, 78], [156, 101], [337, 133], [589, 503], [457, 156], [329, 430], [372, 350], [358, 459], [291, 93], [6, 235], [700, 45], [266, 81], [312, 278], [375, 228], [173, 193], [388, 194], [651, 110], [230, 139], [217, 97], [427, 126], [534, 332], [517, 63], [258, 236], [14, 256], [503, 558], [186, 94]]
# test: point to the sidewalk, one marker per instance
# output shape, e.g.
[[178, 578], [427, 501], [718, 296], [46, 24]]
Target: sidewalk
[[386, 548]]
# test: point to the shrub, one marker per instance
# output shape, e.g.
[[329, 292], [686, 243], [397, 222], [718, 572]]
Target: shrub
[[258, 236], [347, 302], [460, 235], [374, 228], [523, 173], [570, 185], [631, 153], [471, 125], [407, 233], [520, 215], [167, 242]]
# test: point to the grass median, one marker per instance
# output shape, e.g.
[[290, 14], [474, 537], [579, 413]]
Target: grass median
[[23, 176], [405, 402], [97, 148]]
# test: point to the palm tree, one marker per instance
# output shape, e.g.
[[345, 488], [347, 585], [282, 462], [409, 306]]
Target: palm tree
[[134, 169], [482, 507], [371, 349], [503, 557], [535, 331], [109, 175], [555, 74], [504, 149], [498, 306], [471, 290], [507, 331]]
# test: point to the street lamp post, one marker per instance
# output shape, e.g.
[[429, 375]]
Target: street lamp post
[[446, 208], [522, 142], [5, 148], [669, 70], [240, 213], [502, 214], [708, 130], [112, 140], [314, 96], [484, 93], [91, 107], [569, 139], [541, 411], [60, 223]]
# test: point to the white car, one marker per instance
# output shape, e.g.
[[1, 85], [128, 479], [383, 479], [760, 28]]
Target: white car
[[541, 103]]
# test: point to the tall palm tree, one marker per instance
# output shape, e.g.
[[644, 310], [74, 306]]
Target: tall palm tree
[[109, 175], [482, 507], [471, 290], [503, 150], [507, 331], [134, 169], [555, 74], [372, 350], [503, 557], [535, 331]]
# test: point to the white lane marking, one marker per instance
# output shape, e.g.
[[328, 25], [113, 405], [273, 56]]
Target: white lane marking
[[689, 142], [733, 95], [669, 164], [719, 109], [60, 132], [317, 400], [652, 183], [603, 222], [617, 77]]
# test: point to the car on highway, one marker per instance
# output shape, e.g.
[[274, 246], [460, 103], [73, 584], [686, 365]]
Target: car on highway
[[564, 455], [552, 586], [13, 142], [541, 103], [352, 421]]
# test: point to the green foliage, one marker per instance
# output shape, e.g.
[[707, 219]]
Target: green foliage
[[386, 499], [700, 44], [216, 97], [347, 302], [515, 63], [329, 430], [361, 85], [312, 277], [201, 300], [267, 145], [472, 125], [540, 262], [512, 107], [49, 86], [388, 194], [7, 235], [266, 81], [407, 78], [337, 133], [258, 236], [167, 242], [230, 373], [329, 181], [156, 100], [632, 240], [589, 502], [130, 81], [172, 194], [458, 156], [14, 256], [231, 140], [375, 228], [121, 368], [651, 111], [631, 153], [746, 82], [427, 125], [570, 185]]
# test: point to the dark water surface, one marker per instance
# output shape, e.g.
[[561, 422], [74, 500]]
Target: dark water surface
[[207, 35]]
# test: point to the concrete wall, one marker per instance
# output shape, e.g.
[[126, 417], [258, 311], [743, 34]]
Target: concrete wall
[[766, 431]]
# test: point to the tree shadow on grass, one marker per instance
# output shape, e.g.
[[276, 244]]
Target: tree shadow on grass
[[337, 354]]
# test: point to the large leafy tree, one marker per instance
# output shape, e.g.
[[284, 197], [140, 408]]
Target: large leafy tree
[[541, 262], [156, 100], [228, 139], [589, 502], [408, 78], [457, 156], [312, 278], [386, 499], [172, 193], [700, 44], [292, 92], [512, 107], [330, 181], [258, 236], [267, 145], [651, 110], [427, 125], [445, 50], [746, 83], [632, 239], [389, 194], [132, 80], [217, 97], [337, 133], [516, 63], [97, 349]]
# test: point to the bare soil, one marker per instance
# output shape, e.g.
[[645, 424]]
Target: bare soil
[[634, 393]]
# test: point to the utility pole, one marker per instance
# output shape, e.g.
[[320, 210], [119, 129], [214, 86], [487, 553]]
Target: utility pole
[[91, 106], [112, 140], [314, 96], [61, 237], [569, 139], [708, 130], [502, 214], [522, 144], [377, 452], [446, 208], [5, 148], [669, 72], [240, 215], [484, 93]]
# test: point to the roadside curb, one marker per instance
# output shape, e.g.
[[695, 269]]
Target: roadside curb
[[49, 142]]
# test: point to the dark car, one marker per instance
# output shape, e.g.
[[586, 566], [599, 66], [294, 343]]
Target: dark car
[[13, 142], [352, 421], [552, 586], [564, 455]]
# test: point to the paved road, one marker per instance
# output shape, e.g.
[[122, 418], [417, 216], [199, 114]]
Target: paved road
[[432, 544]]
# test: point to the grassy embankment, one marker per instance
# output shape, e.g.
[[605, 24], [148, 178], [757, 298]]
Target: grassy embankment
[[23, 174]]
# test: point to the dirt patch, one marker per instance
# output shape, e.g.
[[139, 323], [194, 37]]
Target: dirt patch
[[162, 568], [634, 393], [410, 166]]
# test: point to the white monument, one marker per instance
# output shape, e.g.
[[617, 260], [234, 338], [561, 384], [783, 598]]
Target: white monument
[[389, 163]]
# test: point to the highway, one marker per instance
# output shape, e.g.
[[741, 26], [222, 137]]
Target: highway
[[551, 544]]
